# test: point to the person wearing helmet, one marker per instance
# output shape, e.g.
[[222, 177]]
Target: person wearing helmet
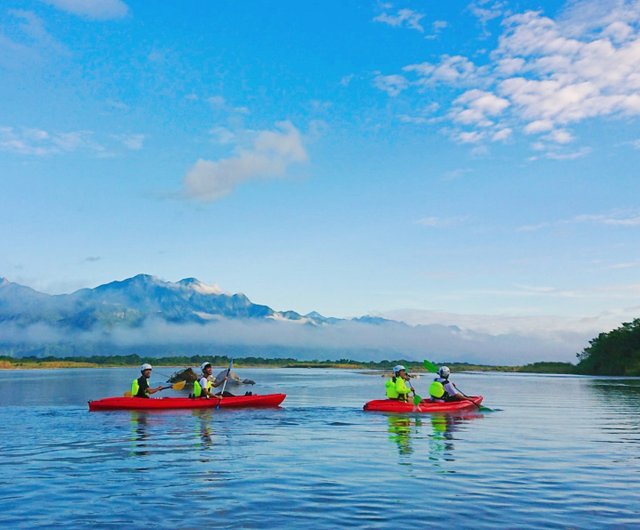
[[396, 387], [140, 386], [204, 385], [442, 389]]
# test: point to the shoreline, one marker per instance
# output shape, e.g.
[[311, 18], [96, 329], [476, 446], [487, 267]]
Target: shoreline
[[8, 364]]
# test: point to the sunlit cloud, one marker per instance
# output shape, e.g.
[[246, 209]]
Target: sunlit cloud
[[269, 155]]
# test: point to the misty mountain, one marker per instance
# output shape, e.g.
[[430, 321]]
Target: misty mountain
[[152, 317], [134, 301]]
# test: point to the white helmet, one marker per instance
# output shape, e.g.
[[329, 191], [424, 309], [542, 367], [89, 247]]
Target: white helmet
[[204, 365], [444, 371], [146, 366], [397, 368]]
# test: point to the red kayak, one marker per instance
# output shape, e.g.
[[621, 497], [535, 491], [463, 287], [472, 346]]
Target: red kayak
[[392, 405], [168, 403]]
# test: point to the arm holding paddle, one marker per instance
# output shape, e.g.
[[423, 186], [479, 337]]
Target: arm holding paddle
[[176, 386]]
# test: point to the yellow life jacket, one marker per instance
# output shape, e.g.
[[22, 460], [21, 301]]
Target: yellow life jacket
[[436, 389], [197, 388]]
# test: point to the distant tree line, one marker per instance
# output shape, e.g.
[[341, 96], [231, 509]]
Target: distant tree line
[[278, 362]]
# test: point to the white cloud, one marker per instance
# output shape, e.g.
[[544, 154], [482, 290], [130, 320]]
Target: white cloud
[[92, 9], [134, 142], [545, 75], [559, 136], [469, 137], [37, 142], [391, 84], [475, 106], [219, 103], [486, 10], [617, 218], [452, 70], [270, 155], [502, 134], [404, 18]]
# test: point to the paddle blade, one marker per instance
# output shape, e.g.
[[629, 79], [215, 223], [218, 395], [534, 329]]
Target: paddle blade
[[179, 385], [430, 367], [127, 393], [417, 399]]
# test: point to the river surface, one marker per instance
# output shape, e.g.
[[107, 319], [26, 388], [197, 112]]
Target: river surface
[[555, 452]]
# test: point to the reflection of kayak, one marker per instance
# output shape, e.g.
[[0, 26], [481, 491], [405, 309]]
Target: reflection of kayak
[[135, 403], [392, 405]]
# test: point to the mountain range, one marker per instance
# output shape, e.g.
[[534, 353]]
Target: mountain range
[[150, 316], [135, 300], [35, 322]]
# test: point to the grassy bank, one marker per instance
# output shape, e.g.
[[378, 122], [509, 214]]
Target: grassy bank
[[9, 363]]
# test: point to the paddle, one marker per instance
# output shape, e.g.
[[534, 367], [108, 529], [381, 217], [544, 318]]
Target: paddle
[[416, 398], [176, 386], [431, 367], [224, 385]]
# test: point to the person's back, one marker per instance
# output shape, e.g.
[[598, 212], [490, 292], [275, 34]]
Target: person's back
[[442, 389]]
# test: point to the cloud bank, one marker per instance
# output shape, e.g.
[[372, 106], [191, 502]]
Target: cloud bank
[[357, 340]]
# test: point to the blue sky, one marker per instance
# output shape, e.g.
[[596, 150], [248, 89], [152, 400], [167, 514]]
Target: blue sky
[[468, 162]]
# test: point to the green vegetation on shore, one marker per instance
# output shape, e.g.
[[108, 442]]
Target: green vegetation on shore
[[614, 353], [259, 362]]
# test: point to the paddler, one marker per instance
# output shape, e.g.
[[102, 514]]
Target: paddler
[[140, 387], [442, 389], [203, 387], [396, 387]]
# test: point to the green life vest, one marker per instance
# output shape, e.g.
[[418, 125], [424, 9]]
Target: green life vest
[[134, 388], [197, 388], [436, 389], [390, 387], [396, 387]]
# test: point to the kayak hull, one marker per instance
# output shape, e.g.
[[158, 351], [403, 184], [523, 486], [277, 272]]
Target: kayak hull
[[392, 405], [172, 403]]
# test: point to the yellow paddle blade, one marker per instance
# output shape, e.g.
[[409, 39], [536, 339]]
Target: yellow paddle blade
[[127, 393], [179, 385]]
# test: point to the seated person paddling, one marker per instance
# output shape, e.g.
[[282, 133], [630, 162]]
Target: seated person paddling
[[442, 389], [140, 387], [396, 387], [203, 386]]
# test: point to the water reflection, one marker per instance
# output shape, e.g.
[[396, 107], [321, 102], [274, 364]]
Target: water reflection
[[204, 424], [139, 433], [400, 431], [403, 429]]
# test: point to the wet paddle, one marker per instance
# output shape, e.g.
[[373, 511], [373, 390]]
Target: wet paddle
[[416, 398], [176, 386], [225, 383]]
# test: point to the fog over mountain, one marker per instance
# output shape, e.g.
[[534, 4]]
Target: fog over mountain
[[146, 315]]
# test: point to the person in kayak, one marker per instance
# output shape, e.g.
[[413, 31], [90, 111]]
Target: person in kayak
[[203, 387], [140, 387], [396, 387], [442, 389]]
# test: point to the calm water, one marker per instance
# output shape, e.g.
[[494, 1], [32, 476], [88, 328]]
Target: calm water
[[560, 452]]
